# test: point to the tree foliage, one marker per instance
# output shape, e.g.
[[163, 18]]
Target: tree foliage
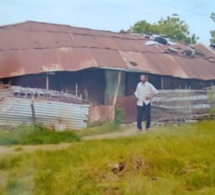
[[172, 27], [213, 31]]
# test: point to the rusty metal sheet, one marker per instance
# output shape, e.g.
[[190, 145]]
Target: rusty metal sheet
[[198, 68], [15, 111], [207, 51], [108, 58], [166, 65], [101, 113], [107, 43], [21, 62], [34, 47], [142, 63]]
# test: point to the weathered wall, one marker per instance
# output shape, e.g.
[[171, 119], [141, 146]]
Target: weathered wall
[[94, 86], [197, 84], [174, 83], [131, 83], [101, 113], [32, 81], [129, 107], [91, 83], [111, 81]]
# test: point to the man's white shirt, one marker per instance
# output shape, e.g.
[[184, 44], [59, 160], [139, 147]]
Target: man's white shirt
[[143, 91]]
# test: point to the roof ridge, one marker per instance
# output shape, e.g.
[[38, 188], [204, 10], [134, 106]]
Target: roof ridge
[[56, 24]]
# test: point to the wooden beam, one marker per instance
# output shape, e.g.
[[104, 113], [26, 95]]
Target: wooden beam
[[47, 82], [162, 83]]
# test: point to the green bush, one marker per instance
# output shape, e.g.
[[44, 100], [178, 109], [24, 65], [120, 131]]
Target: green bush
[[118, 115]]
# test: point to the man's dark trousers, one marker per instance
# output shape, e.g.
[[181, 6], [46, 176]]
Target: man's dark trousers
[[144, 110]]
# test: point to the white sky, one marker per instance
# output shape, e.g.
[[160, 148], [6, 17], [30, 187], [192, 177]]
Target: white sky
[[112, 15]]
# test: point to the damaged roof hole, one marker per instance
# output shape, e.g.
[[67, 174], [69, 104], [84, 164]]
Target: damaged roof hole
[[133, 63], [172, 50], [188, 52]]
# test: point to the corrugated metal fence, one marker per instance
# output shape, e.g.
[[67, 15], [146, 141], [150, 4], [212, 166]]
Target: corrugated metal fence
[[14, 111], [53, 109]]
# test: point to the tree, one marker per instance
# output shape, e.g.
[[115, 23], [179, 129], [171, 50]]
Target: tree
[[172, 27], [213, 31], [142, 27]]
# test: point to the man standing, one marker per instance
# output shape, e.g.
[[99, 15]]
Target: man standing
[[145, 92]]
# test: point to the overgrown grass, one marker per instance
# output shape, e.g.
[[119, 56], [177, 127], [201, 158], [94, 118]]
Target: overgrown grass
[[175, 160], [35, 135], [107, 127]]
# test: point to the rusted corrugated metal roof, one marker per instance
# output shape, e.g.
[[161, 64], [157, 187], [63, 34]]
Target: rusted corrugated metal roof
[[33, 47]]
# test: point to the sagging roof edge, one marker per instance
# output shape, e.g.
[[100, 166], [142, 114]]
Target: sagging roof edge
[[112, 69], [82, 52]]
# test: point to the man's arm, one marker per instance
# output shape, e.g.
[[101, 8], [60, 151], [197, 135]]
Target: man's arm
[[154, 92], [136, 93]]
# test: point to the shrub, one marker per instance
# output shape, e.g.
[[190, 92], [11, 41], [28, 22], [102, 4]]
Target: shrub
[[118, 115]]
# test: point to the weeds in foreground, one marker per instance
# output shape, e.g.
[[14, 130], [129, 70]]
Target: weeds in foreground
[[175, 160], [35, 135], [107, 127]]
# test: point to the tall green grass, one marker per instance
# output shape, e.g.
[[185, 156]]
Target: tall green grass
[[173, 160], [35, 135]]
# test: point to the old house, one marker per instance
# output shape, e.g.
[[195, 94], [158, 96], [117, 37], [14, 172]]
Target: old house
[[86, 62]]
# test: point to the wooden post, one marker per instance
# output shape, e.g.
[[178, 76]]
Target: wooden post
[[47, 82], [32, 108], [76, 89], [161, 82], [117, 88]]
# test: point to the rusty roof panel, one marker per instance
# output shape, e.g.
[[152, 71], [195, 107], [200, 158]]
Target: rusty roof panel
[[206, 51], [197, 68], [107, 43], [22, 62], [142, 63], [108, 58], [33, 47]]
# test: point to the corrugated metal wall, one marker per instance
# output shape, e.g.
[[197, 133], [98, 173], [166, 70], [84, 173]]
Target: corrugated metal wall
[[15, 111]]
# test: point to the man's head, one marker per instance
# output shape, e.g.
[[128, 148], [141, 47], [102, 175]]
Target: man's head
[[143, 78]]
